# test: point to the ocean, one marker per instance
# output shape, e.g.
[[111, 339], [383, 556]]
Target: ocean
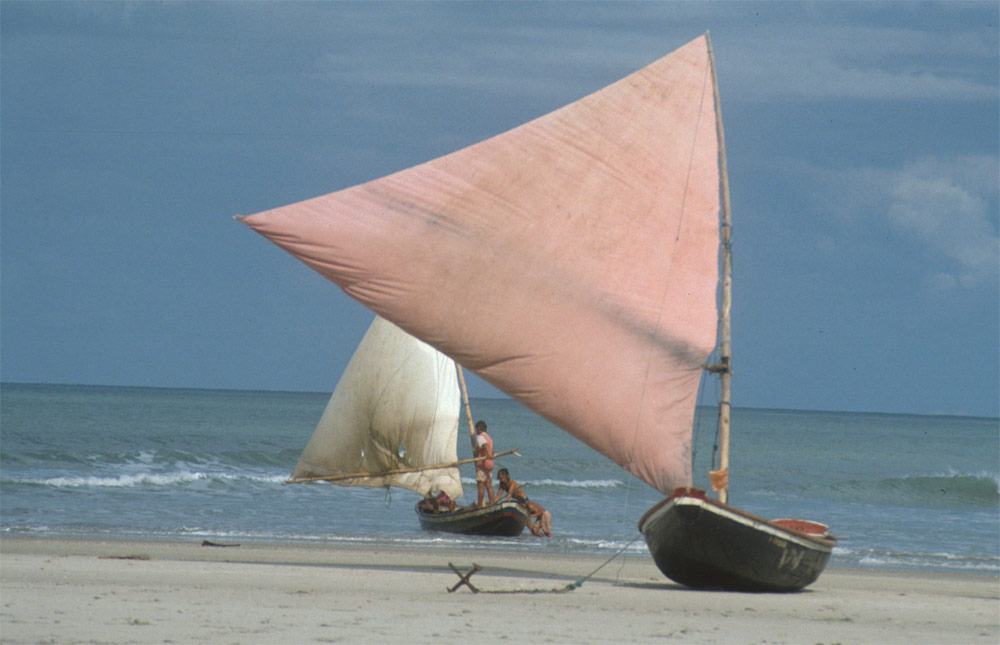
[[904, 491]]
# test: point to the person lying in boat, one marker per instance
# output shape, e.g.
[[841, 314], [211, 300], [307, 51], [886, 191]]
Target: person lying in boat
[[434, 502], [541, 520], [510, 488]]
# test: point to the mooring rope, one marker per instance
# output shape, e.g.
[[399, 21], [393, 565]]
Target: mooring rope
[[565, 588]]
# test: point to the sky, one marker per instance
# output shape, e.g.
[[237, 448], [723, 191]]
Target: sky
[[862, 142]]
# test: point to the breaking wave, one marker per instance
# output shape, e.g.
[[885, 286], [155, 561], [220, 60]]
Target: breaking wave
[[946, 489], [143, 479]]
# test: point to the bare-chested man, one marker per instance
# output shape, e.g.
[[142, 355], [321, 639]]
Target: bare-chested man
[[509, 488], [542, 525]]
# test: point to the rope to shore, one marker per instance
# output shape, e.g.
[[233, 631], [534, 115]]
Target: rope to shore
[[571, 586]]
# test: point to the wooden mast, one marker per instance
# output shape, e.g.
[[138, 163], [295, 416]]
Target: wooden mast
[[468, 410], [725, 350]]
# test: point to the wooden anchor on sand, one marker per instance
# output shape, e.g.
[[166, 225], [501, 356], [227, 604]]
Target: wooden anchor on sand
[[464, 579]]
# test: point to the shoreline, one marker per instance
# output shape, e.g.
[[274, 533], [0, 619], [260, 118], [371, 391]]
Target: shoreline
[[67, 590], [395, 543], [89, 545]]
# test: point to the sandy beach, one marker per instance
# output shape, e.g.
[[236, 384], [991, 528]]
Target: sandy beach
[[77, 591]]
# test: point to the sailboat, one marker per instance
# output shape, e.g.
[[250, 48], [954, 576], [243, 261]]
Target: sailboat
[[574, 263], [393, 420]]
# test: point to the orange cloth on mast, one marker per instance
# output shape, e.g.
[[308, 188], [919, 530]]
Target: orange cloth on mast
[[719, 479]]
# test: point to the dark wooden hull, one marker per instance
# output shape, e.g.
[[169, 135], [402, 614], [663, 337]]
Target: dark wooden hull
[[506, 519], [702, 543]]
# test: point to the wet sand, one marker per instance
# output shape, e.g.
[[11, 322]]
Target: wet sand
[[82, 591]]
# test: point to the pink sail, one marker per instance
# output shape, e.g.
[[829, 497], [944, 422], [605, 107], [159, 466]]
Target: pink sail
[[572, 261]]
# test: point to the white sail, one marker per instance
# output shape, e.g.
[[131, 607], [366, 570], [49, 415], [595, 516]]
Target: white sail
[[396, 406]]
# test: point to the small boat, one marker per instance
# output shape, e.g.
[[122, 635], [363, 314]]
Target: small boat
[[393, 421], [503, 519], [706, 544], [581, 263]]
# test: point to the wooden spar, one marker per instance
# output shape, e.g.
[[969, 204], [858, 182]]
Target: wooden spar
[[725, 348], [468, 410], [397, 471]]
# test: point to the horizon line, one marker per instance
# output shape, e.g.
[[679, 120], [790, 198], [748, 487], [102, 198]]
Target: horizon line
[[965, 415]]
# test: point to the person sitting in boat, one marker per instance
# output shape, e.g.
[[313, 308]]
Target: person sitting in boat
[[541, 520], [434, 502], [484, 468], [510, 488]]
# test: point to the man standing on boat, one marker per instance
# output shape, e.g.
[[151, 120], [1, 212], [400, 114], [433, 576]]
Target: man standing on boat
[[484, 468]]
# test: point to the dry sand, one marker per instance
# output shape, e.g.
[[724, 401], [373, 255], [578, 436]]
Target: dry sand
[[74, 591]]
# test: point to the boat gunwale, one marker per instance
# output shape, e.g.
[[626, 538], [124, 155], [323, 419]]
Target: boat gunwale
[[471, 511], [503, 519], [691, 497]]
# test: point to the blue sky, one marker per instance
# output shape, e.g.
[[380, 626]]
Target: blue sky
[[863, 155]]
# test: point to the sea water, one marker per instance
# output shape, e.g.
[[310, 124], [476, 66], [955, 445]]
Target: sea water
[[110, 462]]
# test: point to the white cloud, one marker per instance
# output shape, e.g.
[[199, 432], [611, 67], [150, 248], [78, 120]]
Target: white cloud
[[949, 205], [827, 62]]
